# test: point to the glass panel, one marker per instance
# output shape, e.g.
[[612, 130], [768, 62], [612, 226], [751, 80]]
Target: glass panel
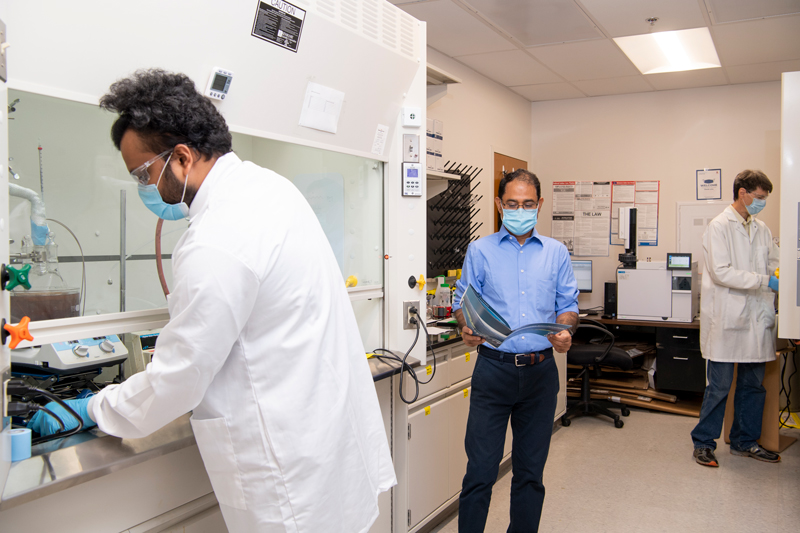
[[83, 174], [345, 191]]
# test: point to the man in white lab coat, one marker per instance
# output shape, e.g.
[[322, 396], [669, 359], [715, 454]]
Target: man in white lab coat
[[262, 342], [737, 320]]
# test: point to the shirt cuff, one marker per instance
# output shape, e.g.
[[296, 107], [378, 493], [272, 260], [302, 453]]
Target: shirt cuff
[[764, 281]]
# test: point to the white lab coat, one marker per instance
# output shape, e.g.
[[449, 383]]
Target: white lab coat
[[263, 345], [737, 308]]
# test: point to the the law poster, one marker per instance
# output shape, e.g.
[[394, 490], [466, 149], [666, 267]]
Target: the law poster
[[581, 216], [644, 196]]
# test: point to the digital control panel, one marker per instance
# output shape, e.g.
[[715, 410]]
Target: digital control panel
[[412, 179]]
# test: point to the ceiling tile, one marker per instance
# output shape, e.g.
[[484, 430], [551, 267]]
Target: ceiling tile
[[628, 84], [687, 79], [514, 67], [621, 18], [586, 60], [761, 71], [735, 10], [539, 22], [549, 91], [758, 41], [454, 32]]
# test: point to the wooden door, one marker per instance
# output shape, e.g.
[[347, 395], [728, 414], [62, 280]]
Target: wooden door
[[503, 164]]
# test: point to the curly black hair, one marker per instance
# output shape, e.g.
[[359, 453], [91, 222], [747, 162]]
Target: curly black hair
[[166, 110]]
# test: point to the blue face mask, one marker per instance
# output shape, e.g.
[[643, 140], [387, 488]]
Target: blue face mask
[[756, 207], [519, 221], [153, 201]]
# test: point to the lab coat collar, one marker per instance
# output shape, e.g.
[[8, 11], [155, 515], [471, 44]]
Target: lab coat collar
[[737, 220], [222, 167]]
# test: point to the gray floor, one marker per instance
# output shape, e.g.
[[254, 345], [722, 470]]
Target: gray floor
[[642, 477]]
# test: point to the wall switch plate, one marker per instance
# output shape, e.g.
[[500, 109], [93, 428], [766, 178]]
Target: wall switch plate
[[410, 148]]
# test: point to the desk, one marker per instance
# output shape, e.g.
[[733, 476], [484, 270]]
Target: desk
[[679, 363]]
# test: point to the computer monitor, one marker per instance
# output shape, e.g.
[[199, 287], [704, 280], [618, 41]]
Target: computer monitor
[[583, 274]]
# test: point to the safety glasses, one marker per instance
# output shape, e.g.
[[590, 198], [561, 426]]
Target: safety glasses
[[140, 173]]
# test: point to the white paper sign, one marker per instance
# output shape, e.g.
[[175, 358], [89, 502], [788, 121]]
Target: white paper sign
[[709, 184], [379, 142], [321, 108]]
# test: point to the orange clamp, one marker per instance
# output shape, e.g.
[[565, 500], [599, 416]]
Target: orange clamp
[[18, 332]]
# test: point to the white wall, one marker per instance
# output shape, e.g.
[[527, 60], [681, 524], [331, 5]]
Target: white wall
[[664, 136], [481, 117]]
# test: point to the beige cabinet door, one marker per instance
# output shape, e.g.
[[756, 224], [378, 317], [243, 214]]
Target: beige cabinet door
[[458, 404], [427, 460]]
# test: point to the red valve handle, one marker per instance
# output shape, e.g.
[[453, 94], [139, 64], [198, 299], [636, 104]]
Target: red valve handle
[[18, 332]]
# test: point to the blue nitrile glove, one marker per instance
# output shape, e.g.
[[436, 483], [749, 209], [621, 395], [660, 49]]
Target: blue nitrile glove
[[44, 424], [773, 283]]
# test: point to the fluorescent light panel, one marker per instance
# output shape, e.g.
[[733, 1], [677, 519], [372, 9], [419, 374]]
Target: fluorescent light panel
[[670, 51]]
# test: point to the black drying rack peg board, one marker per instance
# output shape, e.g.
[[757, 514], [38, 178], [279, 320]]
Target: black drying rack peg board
[[450, 226]]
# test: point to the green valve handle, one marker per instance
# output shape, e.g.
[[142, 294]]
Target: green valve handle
[[12, 277]]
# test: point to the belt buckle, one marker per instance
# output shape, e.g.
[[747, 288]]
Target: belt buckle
[[516, 359]]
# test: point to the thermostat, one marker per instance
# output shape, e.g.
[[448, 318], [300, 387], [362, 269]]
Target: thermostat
[[219, 83], [412, 179]]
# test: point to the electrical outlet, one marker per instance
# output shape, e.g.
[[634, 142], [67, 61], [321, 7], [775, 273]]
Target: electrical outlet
[[408, 315]]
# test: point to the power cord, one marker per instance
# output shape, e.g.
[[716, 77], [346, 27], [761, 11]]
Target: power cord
[[786, 411], [405, 367], [18, 387]]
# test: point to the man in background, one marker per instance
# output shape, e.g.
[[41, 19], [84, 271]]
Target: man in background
[[737, 320]]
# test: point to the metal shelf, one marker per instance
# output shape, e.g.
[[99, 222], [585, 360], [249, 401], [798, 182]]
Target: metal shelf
[[434, 174]]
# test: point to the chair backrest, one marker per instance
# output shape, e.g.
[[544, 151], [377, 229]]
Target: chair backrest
[[588, 324]]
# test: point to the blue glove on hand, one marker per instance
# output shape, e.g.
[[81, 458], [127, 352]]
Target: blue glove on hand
[[773, 283], [44, 424]]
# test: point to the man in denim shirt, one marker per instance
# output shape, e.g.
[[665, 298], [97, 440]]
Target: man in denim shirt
[[526, 278]]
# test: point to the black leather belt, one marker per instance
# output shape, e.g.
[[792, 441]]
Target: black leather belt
[[518, 359]]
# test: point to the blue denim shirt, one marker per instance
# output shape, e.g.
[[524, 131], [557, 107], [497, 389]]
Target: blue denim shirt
[[525, 284]]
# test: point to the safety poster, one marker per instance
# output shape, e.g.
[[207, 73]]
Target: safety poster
[[280, 23], [581, 216], [644, 196]]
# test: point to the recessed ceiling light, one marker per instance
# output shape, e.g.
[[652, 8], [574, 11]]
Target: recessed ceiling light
[[670, 51]]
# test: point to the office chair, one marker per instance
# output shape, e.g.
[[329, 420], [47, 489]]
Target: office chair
[[590, 356]]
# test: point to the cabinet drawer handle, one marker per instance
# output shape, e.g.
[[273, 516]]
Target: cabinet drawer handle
[[679, 337], [681, 358]]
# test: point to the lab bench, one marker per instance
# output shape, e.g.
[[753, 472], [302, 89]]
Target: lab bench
[[679, 363], [92, 481]]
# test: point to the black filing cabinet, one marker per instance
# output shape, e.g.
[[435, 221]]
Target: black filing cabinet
[[680, 366]]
